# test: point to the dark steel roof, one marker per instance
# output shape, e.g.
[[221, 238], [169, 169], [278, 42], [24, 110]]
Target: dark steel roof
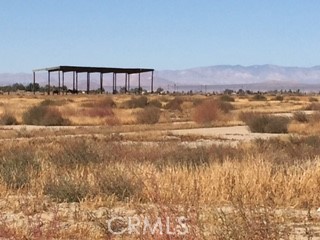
[[95, 69]]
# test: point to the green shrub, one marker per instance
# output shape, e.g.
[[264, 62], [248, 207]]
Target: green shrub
[[149, 115], [262, 123], [175, 104], [136, 102], [258, 97], [44, 115], [66, 190], [17, 167], [300, 117], [8, 119], [227, 98]]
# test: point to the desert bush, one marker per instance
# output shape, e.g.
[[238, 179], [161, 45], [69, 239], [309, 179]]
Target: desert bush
[[266, 123], [278, 98], [315, 117], [312, 141], [227, 98], [244, 222], [155, 103], [106, 102], [246, 116], [206, 112], [300, 117], [197, 101], [226, 107], [66, 190], [313, 107], [182, 156], [112, 121], [119, 182], [294, 98], [98, 112], [76, 151], [222, 153], [44, 115], [149, 115], [258, 97], [103, 102], [136, 102], [313, 99], [8, 119], [59, 102], [277, 124], [175, 104], [295, 150], [17, 167]]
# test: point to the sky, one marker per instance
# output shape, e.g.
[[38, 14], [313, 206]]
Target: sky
[[160, 34]]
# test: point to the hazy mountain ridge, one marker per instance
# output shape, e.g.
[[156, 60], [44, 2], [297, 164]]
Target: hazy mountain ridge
[[237, 74], [259, 75]]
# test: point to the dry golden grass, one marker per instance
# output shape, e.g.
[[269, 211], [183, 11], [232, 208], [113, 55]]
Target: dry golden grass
[[217, 180], [62, 183], [305, 128]]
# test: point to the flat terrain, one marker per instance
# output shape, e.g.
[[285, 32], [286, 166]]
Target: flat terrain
[[235, 167]]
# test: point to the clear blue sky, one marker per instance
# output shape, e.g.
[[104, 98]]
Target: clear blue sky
[[162, 34]]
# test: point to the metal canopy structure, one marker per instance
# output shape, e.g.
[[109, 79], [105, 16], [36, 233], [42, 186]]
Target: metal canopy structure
[[102, 70]]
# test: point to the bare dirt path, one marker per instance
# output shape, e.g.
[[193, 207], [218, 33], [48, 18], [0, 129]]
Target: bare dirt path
[[237, 133], [204, 136]]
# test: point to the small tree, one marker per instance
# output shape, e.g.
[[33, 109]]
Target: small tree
[[159, 90]]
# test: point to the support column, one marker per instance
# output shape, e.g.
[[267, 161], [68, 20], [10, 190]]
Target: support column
[[59, 83], [77, 88], [88, 82], [34, 82], [152, 81], [63, 92], [101, 83], [126, 84], [73, 81], [49, 82], [113, 83], [139, 83]]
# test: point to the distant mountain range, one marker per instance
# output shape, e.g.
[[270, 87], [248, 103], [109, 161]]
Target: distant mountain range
[[256, 76], [227, 74]]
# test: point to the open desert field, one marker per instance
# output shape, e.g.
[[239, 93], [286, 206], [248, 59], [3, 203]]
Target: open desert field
[[160, 166]]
